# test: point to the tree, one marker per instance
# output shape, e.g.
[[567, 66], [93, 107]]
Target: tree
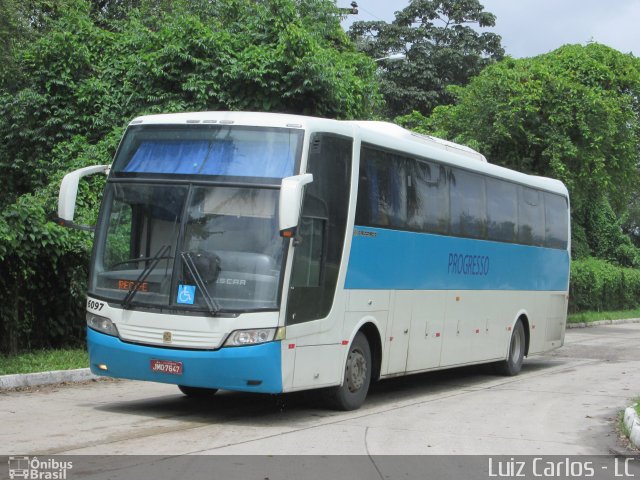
[[440, 48], [572, 114], [264, 56], [90, 67]]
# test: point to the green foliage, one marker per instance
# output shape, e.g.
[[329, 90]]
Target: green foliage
[[572, 114], [88, 67], [606, 239], [631, 219], [579, 244], [441, 48], [262, 57], [43, 278], [597, 285]]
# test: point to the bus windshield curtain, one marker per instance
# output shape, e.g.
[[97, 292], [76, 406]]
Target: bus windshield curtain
[[202, 157]]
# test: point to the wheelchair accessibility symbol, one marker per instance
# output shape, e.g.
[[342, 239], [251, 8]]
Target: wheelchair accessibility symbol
[[186, 294]]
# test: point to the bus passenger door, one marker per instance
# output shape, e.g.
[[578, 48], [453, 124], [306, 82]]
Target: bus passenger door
[[315, 302]]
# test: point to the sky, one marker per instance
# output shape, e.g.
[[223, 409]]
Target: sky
[[533, 27]]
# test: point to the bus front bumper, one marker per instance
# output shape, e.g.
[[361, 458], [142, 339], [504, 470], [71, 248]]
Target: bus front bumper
[[254, 368]]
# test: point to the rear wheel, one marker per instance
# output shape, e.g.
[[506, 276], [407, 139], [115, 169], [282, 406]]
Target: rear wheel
[[197, 392], [513, 364], [357, 377]]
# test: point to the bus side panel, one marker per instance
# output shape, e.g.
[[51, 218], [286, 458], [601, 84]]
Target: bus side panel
[[312, 352], [556, 321], [369, 306], [318, 366], [384, 259], [427, 325]]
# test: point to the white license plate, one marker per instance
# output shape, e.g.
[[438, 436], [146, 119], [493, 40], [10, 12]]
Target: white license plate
[[166, 366]]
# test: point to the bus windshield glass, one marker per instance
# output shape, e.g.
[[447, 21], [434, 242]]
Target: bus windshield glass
[[230, 153], [189, 247]]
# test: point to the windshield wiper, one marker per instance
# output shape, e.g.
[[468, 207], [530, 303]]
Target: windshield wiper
[[162, 253], [212, 305]]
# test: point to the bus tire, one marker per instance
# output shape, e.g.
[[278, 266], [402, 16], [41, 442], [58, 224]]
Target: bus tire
[[197, 392], [513, 364], [357, 377]]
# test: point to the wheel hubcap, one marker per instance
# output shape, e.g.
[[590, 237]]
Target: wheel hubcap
[[356, 370]]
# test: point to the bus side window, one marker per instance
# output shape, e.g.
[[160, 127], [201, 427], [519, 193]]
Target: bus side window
[[383, 189], [468, 204], [530, 217], [556, 221], [428, 197], [502, 210]]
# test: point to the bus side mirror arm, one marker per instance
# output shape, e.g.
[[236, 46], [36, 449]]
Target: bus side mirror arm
[[290, 204], [69, 192]]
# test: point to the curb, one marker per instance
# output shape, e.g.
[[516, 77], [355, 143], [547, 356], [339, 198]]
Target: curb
[[45, 378], [603, 322], [632, 422]]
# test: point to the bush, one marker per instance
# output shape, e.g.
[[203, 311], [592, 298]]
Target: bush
[[42, 286], [597, 285]]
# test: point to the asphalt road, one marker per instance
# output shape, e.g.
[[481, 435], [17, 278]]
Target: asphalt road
[[563, 403]]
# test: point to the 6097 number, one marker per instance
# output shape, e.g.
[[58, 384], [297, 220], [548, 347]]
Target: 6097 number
[[94, 305]]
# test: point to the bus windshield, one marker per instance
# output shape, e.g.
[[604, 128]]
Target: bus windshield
[[214, 248]]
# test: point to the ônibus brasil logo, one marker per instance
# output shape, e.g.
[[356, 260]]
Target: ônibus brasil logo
[[36, 469]]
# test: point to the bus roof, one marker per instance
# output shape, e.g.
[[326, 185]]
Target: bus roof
[[383, 134]]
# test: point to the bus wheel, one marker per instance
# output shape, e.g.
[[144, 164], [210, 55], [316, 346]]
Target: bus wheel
[[512, 365], [197, 392], [357, 377]]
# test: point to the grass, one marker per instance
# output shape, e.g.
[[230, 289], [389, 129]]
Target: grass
[[595, 316], [44, 360]]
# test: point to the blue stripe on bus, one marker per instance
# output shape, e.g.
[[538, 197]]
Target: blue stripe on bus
[[229, 368], [384, 259]]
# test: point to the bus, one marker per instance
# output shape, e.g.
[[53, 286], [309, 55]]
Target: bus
[[275, 253]]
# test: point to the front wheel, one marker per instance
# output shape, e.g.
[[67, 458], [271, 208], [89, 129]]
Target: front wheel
[[197, 392], [357, 377], [513, 364]]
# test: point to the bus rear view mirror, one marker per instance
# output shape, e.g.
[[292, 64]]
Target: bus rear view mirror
[[69, 192], [290, 203]]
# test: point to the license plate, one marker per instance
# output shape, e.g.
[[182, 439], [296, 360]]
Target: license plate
[[166, 366]]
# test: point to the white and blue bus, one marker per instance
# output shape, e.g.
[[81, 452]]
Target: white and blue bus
[[275, 253]]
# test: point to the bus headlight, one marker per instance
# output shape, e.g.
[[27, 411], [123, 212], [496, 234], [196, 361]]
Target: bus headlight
[[101, 324], [239, 338]]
